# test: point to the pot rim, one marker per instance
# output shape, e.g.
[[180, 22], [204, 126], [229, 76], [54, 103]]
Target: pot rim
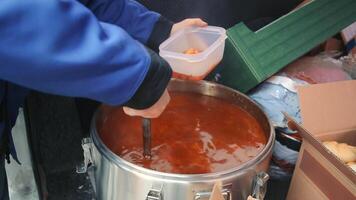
[[119, 162]]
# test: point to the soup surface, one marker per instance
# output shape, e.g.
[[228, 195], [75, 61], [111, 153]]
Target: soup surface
[[196, 134]]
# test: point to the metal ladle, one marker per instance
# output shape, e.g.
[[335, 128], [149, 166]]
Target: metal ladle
[[146, 126]]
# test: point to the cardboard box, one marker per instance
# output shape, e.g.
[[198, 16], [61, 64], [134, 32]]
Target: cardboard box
[[329, 113]]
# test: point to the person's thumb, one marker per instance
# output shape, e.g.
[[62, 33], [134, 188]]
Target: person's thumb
[[129, 111], [197, 22]]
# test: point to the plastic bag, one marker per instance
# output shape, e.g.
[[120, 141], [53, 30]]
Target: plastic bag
[[318, 69], [275, 98], [278, 94], [349, 65]]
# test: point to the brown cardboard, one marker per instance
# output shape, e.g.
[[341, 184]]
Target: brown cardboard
[[343, 137], [328, 113], [316, 178], [329, 107]]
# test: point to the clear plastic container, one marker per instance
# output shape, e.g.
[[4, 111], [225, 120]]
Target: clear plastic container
[[209, 41]]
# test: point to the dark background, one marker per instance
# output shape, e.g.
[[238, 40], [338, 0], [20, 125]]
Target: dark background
[[225, 13]]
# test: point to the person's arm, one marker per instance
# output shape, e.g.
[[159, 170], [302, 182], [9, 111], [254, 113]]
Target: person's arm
[[59, 47], [146, 26]]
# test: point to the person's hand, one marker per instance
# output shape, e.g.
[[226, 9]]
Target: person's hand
[[153, 111], [188, 23]]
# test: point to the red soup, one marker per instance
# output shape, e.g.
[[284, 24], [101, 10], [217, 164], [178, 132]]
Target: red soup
[[196, 134]]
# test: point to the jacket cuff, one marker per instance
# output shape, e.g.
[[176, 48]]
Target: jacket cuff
[[161, 31], [153, 86]]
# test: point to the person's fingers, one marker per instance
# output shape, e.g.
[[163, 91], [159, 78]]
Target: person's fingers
[[129, 111], [197, 22], [157, 109], [141, 113], [188, 23], [153, 111]]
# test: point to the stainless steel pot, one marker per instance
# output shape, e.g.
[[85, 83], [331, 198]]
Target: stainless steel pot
[[117, 179]]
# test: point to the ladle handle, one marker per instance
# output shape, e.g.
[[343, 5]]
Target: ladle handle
[[146, 126]]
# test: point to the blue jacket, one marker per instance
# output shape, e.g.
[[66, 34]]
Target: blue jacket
[[92, 49]]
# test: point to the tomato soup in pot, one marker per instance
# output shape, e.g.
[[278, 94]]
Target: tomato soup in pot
[[196, 134]]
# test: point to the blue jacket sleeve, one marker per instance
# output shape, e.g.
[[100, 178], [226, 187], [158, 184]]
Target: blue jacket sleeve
[[128, 14], [146, 26], [59, 47]]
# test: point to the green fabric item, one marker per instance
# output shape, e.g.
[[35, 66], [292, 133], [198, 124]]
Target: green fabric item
[[251, 57]]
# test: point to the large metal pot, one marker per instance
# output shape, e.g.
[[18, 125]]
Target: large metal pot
[[117, 179]]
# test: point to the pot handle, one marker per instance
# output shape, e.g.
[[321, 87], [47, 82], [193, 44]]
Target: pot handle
[[259, 185], [155, 193], [88, 160], [206, 195], [87, 166]]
